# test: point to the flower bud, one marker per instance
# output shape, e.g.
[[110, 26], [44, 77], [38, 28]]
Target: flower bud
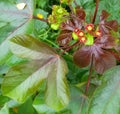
[[89, 27]]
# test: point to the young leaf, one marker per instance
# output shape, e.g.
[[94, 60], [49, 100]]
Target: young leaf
[[106, 99], [23, 80], [40, 106], [80, 13], [28, 47]]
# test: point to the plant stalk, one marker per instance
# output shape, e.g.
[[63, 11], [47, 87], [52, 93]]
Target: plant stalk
[[90, 73], [40, 19], [75, 3], [96, 10], [87, 85], [70, 47]]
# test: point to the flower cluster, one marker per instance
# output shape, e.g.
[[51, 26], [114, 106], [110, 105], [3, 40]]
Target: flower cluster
[[86, 36], [97, 40], [57, 16]]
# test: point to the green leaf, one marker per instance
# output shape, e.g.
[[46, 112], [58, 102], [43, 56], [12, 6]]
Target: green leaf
[[4, 110], [73, 107], [106, 99], [12, 104], [40, 106], [14, 60], [40, 24], [57, 86], [74, 35], [26, 108], [44, 3], [12, 18], [23, 80], [3, 100], [78, 102], [90, 40], [12, 22], [111, 6], [55, 26], [3, 70]]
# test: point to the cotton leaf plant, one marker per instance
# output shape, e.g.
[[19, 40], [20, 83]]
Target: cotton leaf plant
[[43, 75]]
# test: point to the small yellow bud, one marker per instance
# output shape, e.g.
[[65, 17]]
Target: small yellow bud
[[98, 33], [90, 28], [81, 34], [83, 39], [40, 16]]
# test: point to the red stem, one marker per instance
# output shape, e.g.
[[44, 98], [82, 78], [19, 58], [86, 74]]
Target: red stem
[[88, 84], [44, 20], [96, 10], [75, 3], [68, 48], [90, 73]]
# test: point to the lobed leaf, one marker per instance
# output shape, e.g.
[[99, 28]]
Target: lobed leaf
[[13, 21], [106, 98], [28, 47], [82, 57], [57, 86], [23, 80]]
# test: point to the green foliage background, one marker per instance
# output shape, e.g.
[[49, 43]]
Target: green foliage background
[[104, 92]]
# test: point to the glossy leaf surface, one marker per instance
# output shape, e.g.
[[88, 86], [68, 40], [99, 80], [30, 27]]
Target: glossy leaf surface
[[13, 21], [23, 80], [106, 99]]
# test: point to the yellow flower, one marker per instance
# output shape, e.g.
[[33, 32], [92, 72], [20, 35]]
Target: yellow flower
[[40, 16]]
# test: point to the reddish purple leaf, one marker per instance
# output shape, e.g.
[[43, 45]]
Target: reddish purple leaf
[[82, 57], [64, 38], [103, 28], [68, 25], [104, 15], [112, 25], [80, 13], [104, 62], [107, 26], [106, 42]]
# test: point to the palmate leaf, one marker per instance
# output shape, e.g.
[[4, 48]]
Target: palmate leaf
[[12, 18], [72, 108], [12, 22], [44, 64], [28, 47], [106, 99]]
